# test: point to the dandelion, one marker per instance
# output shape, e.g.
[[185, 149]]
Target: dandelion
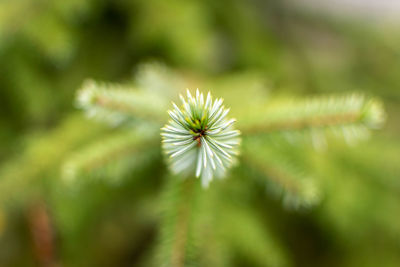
[[199, 138]]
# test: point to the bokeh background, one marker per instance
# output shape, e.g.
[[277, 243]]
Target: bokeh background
[[48, 48]]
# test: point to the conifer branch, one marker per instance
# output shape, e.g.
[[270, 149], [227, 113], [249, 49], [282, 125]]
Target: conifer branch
[[351, 116], [177, 244], [44, 154], [118, 104], [283, 178], [122, 149], [182, 226], [212, 250]]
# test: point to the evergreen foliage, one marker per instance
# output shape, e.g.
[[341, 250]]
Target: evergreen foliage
[[83, 163], [180, 243]]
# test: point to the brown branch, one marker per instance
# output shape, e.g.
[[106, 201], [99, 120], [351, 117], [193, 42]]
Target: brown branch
[[42, 233]]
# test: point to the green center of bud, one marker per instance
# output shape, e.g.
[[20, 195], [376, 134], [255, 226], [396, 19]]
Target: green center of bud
[[198, 128]]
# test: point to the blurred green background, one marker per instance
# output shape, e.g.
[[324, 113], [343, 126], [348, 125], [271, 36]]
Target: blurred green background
[[48, 48]]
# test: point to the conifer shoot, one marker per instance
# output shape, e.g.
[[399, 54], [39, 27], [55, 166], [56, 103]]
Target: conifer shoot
[[199, 138]]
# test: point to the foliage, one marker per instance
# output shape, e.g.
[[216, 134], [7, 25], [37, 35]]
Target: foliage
[[314, 185]]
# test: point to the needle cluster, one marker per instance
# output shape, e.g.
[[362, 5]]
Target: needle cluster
[[199, 138]]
